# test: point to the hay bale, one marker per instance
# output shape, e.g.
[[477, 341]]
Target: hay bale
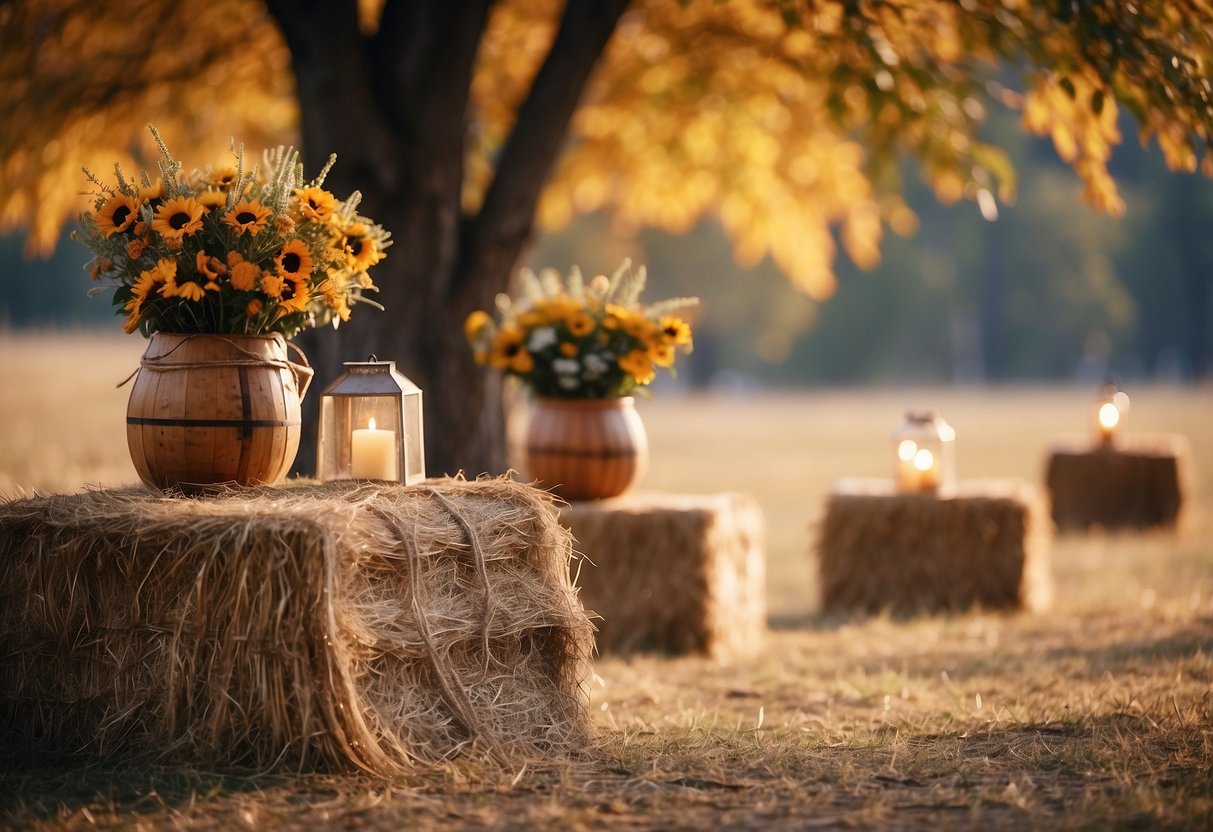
[[377, 627], [1138, 483], [986, 547], [672, 573]]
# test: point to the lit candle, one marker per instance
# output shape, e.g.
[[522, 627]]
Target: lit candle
[[1109, 418], [928, 472], [907, 474], [373, 453]]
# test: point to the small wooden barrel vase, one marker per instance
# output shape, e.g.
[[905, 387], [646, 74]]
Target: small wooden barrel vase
[[586, 449], [209, 409]]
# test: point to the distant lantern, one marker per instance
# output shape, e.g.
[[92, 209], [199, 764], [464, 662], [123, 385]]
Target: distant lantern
[[922, 455], [371, 426], [1111, 411]]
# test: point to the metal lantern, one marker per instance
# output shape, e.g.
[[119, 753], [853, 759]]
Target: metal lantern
[[370, 426], [1110, 412], [922, 455]]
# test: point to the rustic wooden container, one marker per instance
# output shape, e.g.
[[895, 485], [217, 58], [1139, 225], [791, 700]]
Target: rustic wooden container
[[986, 547], [673, 573], [1138, 483], [586, 449], [208, 409]]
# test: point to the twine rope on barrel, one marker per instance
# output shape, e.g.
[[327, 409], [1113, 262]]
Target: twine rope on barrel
[[302, 373]]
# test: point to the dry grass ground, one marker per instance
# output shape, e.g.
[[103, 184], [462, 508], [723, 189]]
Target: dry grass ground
[[1097, 714]]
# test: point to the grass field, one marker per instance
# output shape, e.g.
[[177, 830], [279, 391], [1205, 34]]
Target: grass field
[[1096, 714]]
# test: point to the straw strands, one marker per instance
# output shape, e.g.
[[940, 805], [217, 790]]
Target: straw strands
[[307, 627], [911, 553], [673, 573]]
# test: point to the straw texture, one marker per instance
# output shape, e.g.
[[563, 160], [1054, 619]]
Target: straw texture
[[672, 573], [310, 627], [911, 553], [1139, 483]]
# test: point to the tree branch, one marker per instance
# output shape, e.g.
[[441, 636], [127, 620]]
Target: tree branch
[[505, 222]]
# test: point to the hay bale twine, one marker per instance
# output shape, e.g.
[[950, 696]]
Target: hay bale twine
[[881, 551], [673, 573], [1138, 483], [380, 628]]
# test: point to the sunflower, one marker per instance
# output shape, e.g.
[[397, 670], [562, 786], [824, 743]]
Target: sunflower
[[509, 351], [150, 284], [638, 365], [580, 324], [293, 260], [152, 193], [211, 268], [245, 275], [178, 217], [475, 324], [334, 299], [638, 326], [188, 290], [674, 330], [662, 355], [118, 214], [247, 215], [224, 177], [212, 200], [361, 250], [316, 203], [295, 295]]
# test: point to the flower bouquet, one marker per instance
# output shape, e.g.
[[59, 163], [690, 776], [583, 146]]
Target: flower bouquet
[[571, 340], [583, 348], [218, 267]]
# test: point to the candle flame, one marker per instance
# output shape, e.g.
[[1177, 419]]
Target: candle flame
[[370, 423], [1109, 416], [924, 460], [906, 450]]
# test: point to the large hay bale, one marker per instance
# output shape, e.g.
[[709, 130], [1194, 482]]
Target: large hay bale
[[1138, 483], [986, 547], [673, 573], [305, 627]]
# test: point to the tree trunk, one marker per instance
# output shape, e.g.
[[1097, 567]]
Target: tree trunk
[[394, 107]]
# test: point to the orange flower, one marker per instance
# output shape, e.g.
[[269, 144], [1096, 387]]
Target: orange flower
[[253, 309], [118, 214], [674, 330], [247, 215], [244, 275], [475, 323], [136, 247], [178, 217], [316, 203], [211, 268], [271, 285], [212, 200], [638, 365], [295, 294], [294, 260]]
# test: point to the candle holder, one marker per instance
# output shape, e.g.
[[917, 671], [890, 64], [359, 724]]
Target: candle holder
[[922, 455], [371, 426], [1109, 413]]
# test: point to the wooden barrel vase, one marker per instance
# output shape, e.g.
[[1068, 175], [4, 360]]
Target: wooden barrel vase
[[586, 449], [210, 409]]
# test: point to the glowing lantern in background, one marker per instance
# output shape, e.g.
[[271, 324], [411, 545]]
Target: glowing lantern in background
[[922, 455], [1111, 411]]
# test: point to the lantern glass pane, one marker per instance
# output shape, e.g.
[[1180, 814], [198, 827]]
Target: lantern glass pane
[[922, 455]]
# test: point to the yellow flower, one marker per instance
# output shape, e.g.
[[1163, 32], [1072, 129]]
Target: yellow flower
[[118, 214], [360, 249], [294, 296], [615, 316], [212, 200], [293, 260], [247, 215], [188, 290], [662, 354], [638, 326], [253, 309], [151, 282], [224, 177], [580, 324], [674, 330], [245, 275], [638, 365], [152, 193], [568, 349], [509, 351], [475, 324], [178, 217], [271, 285], [211, 268], [334, 299], [316, 203]]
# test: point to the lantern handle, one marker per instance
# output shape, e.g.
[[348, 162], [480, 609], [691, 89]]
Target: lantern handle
[[372, 357]]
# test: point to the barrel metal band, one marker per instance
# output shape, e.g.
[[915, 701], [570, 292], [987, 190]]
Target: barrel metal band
[[213, 423]]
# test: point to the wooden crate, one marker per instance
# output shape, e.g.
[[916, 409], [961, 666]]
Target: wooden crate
[[1141, 482], [986, 547], [673, 573]]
